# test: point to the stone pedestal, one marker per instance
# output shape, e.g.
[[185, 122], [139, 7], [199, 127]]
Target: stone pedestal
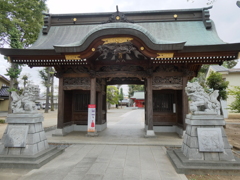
[[25, 139], [205, 147], [24, 135], [216, 148]]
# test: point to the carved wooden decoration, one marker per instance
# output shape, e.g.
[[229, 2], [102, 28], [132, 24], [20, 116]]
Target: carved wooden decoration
[[119, 52], [82, 83], [117, 40], [118, 17], [74, 69], [167, 80], [167, 68], [120, 68]]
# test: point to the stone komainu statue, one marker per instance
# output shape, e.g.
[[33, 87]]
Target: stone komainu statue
[[25, 103], [202, 102]]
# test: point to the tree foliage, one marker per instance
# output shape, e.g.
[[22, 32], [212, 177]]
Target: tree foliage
[[121, 96], [238, 3], [230, 64], [47, 76], [216, 82], [133, 88], [235, 105], [112, 95], [22, 16]]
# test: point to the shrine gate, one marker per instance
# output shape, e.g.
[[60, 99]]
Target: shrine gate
[[161, 50]]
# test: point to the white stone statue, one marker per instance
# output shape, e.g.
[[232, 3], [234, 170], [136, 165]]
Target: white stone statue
[[25, 103], [202, 102]]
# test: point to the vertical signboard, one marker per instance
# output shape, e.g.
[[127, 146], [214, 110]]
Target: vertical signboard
[[91, 117]]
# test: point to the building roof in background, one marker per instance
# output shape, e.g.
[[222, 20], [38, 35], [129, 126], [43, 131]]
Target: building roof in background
[[234, 70], [218, 68], [4, 92], [5, 79], [138, 95]]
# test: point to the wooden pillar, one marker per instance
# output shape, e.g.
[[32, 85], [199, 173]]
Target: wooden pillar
[[149, 104], [93, 91], [99, 105], [184, 101], [145, 97], [60, 104]]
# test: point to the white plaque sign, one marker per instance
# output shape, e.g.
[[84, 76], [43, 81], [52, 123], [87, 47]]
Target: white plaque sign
[[210, 140], [91, 117], [16, 136]]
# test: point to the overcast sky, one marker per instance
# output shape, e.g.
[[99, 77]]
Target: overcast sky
[[225, 14]]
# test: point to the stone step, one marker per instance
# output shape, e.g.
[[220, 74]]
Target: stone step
[[27, 157], [31, 162], [197, 167], [204, 163]]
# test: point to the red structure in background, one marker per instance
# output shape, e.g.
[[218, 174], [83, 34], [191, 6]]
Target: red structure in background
[[138, 99]]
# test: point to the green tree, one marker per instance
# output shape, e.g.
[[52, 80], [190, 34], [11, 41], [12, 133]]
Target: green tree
[[216, 82], [47, 76], [112, 95], [121, 96], [25, 80], [235, 105], [20, 24], [133, 88], [23, 16], [230, 64]]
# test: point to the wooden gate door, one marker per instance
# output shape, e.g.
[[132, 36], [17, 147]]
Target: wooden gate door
[[164, 107]]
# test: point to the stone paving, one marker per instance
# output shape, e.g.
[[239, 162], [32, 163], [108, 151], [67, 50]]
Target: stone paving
[[108, 162], [120, 152]]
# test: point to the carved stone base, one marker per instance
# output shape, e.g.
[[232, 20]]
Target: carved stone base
[[205, 147], [24, 138], [212, 143], [24, 135], [183, 165]]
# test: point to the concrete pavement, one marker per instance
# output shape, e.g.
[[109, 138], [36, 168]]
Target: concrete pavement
[[119, 152]]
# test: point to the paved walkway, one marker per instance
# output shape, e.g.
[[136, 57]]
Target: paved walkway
[[108, 162], [119, 152], [125, 127]]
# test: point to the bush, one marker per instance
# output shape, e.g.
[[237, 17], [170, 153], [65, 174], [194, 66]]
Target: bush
[[235, 105], [2, 121]]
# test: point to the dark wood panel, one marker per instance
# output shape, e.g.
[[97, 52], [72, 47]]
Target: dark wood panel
[[67, 106], [164, 118]]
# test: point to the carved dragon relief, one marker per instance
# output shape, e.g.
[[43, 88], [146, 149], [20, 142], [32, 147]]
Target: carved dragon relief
[[119, 52]]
